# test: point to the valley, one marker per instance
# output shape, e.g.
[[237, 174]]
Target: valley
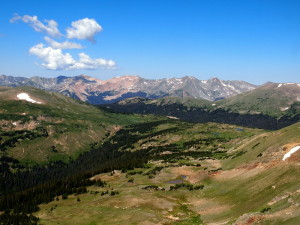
[[67, 162], [248, 183]]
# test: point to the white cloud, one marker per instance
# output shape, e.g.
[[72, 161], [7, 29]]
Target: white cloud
[[55, 59], [50, 27], [83, 29], [15, 18], [52, 56], [63, 45], [86, 62]]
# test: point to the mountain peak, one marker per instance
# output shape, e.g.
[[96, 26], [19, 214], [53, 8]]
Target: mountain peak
[[84, 76], [189, 77], [89, 79], [126, 77], [215, 79]]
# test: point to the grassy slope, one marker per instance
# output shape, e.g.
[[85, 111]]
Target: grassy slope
[[263, 179], [185, 101], [72, 125], [271, 146], [270, 99], [238, 192]]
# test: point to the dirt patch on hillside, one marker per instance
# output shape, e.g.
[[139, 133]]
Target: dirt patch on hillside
[[208, 206], [209, 209], [150, 223], [249, 218], [150, 202], [190, 174], [244, 172], [291, 211], [115, 175], [213, 164], [8, 125]]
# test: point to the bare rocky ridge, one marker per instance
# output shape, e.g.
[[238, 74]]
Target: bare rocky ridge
[[98, 91]]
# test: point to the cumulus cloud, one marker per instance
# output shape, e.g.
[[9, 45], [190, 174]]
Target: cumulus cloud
[[52, 55], [55, 59], [50, 27], [63, 45], [83, 29], [86, 62]]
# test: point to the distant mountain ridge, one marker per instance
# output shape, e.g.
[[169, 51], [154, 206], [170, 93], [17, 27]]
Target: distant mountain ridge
[[271, 106], [96, 91]]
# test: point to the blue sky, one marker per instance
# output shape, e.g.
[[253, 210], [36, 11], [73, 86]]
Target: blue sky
[[252, 40]]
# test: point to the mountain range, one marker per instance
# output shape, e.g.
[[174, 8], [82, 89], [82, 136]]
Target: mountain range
[[96, 91], [270, 106]]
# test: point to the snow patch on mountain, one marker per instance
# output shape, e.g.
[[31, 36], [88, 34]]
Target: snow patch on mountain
[[26, 97], [284, 109], [292, 151], [225, 85]]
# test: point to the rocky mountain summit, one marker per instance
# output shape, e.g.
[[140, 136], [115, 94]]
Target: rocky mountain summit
[[98, 91]]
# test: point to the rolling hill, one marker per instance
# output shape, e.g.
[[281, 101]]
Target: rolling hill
[[272, 99], [48, 126]]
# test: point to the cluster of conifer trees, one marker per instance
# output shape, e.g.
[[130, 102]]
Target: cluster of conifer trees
[[12, 137]]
